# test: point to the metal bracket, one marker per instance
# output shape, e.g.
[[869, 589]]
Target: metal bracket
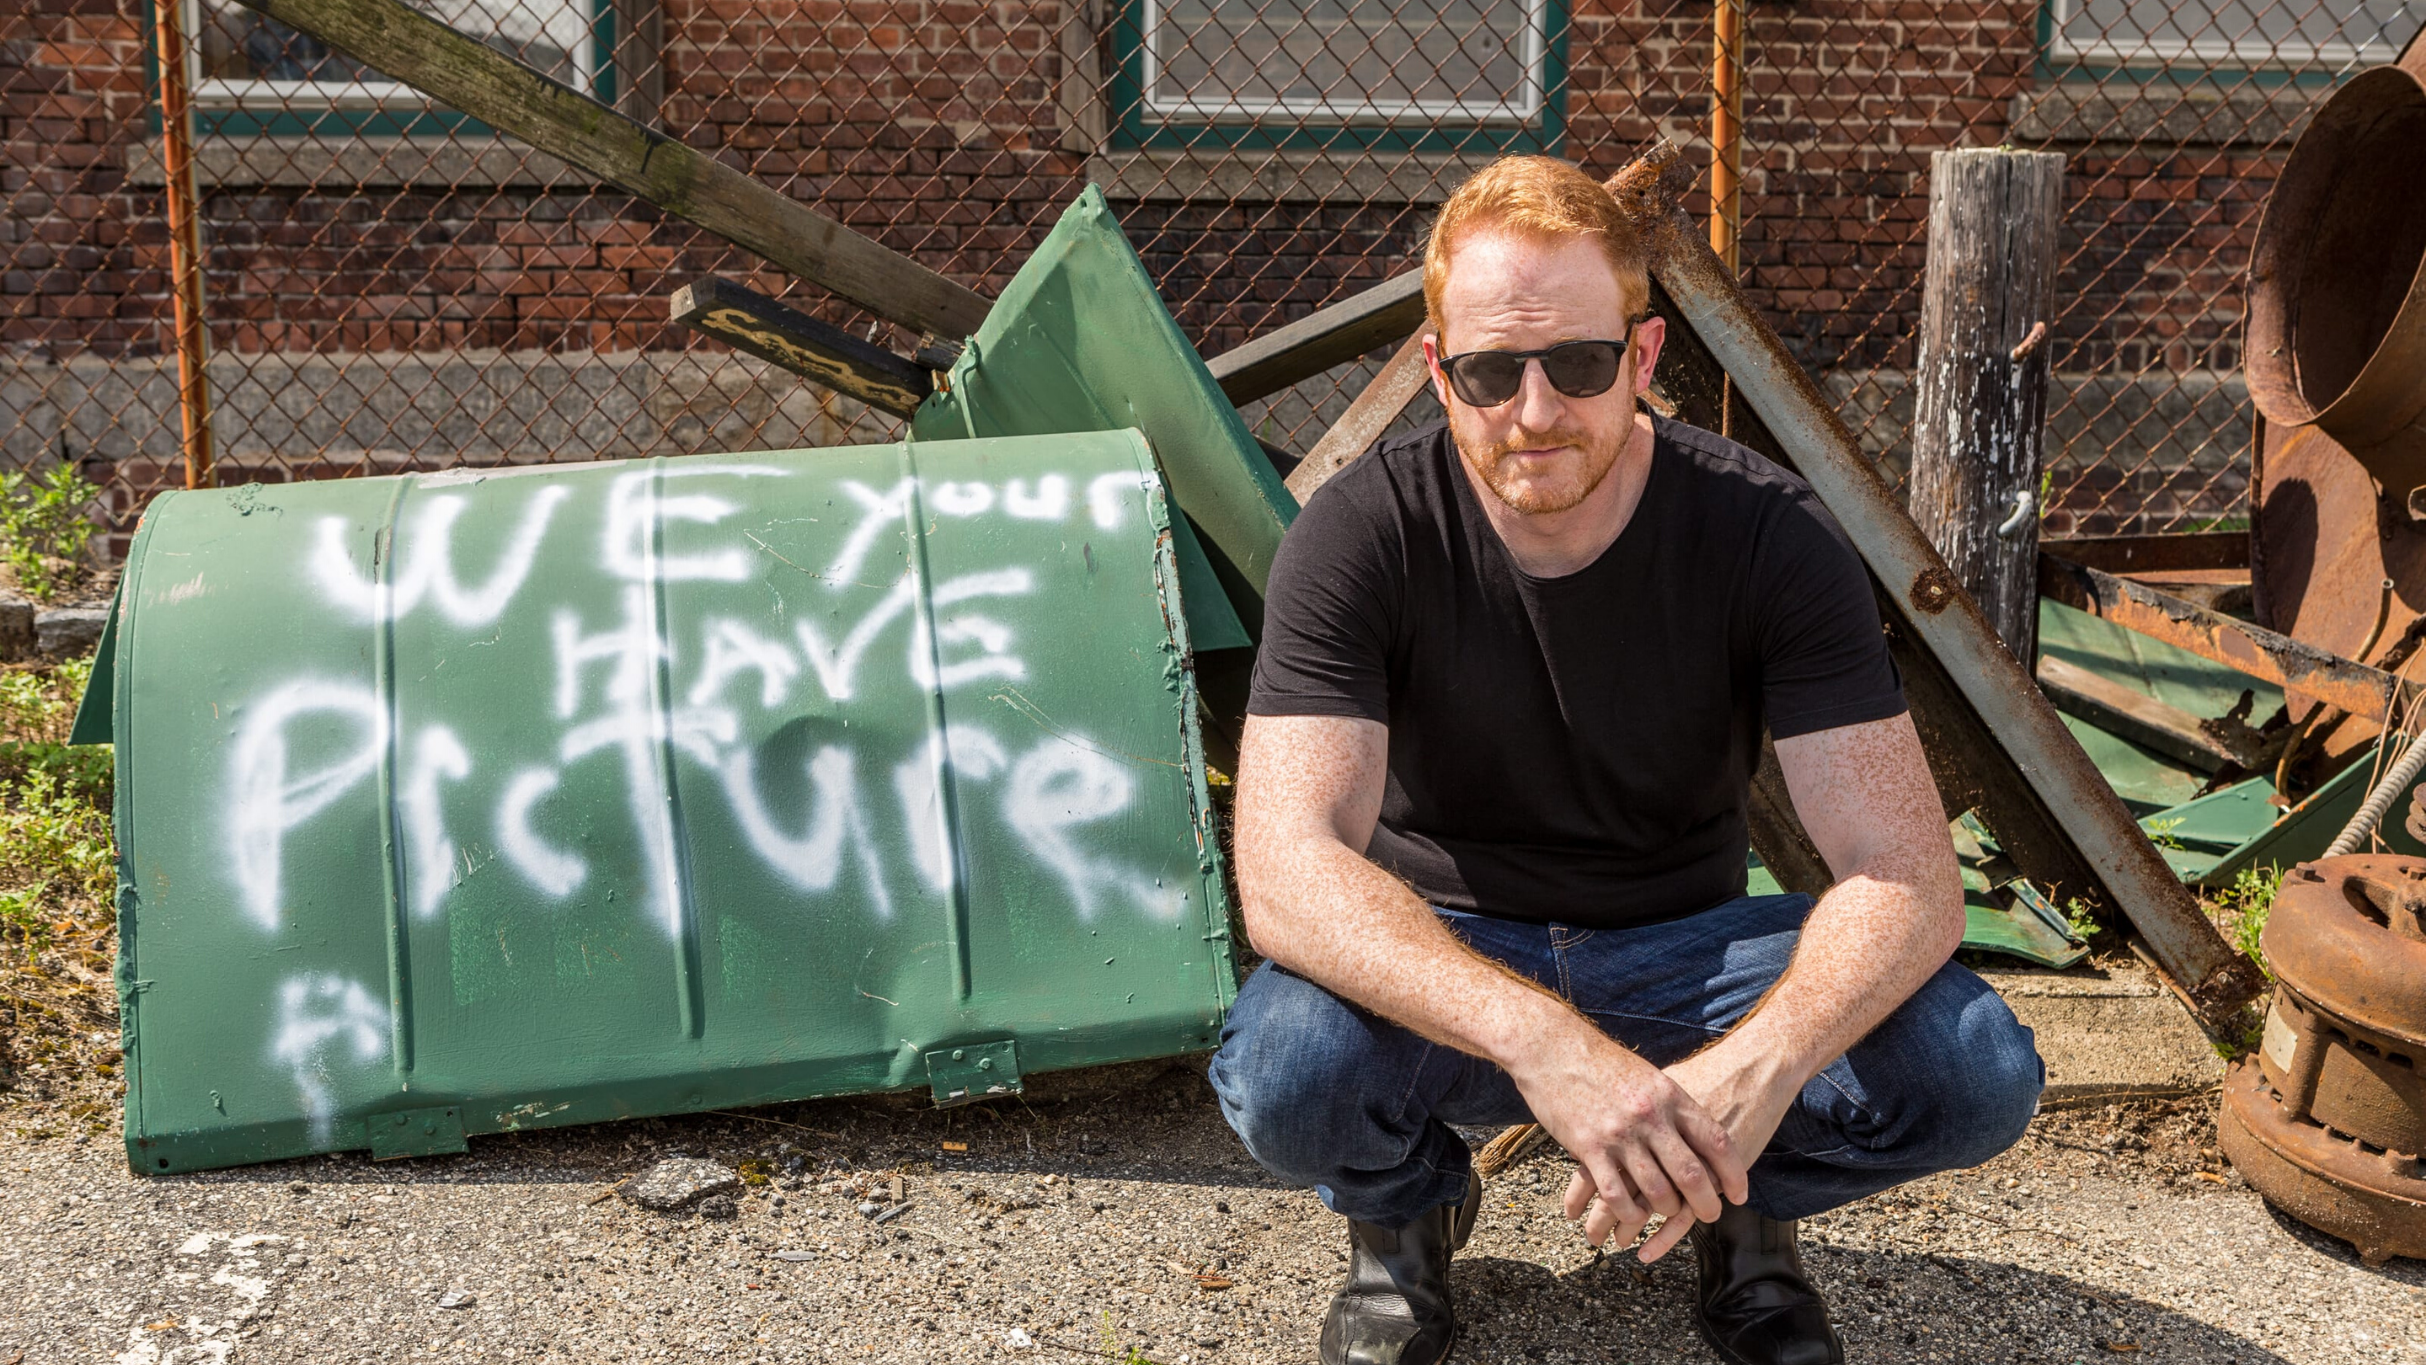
[[417, 1132], [973, 1072]]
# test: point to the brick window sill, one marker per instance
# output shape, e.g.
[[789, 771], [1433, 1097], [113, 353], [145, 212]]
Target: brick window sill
[[360, 162], [1283, 176]]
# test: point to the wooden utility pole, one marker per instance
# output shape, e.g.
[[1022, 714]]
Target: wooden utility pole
[[1982, 373], [184, 241]]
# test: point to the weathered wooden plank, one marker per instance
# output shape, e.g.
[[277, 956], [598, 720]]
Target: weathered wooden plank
[[466, 74], [749, 321], [2133, 714], [1329, 336], [1982, 377]]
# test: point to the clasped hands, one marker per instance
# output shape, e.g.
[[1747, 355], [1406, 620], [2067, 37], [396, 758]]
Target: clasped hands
[[1649, 1141]]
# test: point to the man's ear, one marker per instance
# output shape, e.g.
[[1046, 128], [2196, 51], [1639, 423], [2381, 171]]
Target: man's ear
[[1440, 379], [1649, 336]]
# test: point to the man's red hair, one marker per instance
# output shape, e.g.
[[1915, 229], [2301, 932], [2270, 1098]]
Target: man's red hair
[[1535, 198]]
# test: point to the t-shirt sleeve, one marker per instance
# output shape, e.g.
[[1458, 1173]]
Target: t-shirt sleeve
[[1330, 607], [1823, 657]]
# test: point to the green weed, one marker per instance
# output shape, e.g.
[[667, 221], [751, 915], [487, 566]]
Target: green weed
[[37, 709], [40, 703], [2240, 910], [2080, 921], [51, 834], [2161, 832], [45, 526]]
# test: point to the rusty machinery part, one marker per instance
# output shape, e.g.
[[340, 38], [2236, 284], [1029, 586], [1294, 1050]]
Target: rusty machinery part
[[2328, 1120], [2337, 342]]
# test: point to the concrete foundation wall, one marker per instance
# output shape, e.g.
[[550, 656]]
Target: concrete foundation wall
[[464, 407]]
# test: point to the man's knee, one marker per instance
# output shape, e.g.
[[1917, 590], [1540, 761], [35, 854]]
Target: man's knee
[[1992, 1078], [1969, 1071], [1298, 1068]]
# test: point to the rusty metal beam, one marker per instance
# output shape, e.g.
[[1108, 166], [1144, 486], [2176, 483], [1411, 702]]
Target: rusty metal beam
[[2155, 554], [1986, 724], [2227, 640], [1366, 419]]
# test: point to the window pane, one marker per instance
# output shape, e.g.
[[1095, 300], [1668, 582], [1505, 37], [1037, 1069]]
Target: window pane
[[240, 45], [2238, 30], [1344, 58]]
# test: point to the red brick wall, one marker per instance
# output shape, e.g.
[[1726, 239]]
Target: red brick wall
[[82, 261], [936, 127]]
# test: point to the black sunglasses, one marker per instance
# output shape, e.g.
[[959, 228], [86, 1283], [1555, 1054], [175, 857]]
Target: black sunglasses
[[1578, 369]]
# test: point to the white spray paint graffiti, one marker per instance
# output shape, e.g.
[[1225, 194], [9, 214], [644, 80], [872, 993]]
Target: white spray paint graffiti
[[266, 798], [1050, 501], [636, 509], [880, 512], [733, 649], [551, 869], [974, 755], [438, 754], [812, 859], [658, 704], [1060, 786], [427, 563], [992, 638], [320, 1012]]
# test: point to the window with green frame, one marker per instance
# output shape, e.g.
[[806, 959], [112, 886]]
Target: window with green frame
[[2173, 35], [254, 76], [1388, 75]]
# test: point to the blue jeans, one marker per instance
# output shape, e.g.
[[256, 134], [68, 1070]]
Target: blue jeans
[[1329, 1095]]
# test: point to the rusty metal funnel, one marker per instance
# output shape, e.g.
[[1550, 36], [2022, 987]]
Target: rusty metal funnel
[[2337, 296]]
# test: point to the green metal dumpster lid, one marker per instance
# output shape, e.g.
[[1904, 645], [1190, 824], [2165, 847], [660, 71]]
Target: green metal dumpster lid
[[464, 802], [1081, 342]]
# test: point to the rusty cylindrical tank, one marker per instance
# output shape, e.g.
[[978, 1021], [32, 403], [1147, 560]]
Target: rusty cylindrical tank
[[2329, 1119], [2337, 296], [2336, 364]]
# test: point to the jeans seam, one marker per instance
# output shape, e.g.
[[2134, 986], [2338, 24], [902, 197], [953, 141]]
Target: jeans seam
[[1415, 1077], [1856, 1105], [1655, 1019]]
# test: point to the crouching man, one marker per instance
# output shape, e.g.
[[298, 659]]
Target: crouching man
[[1491, 823]]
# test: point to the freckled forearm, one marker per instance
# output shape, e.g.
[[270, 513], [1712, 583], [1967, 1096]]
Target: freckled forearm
[[1328, 914], [1869, 944]]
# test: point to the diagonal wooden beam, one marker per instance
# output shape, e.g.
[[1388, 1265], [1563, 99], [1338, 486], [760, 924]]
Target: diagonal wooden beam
[[1332, 335], [466, 74]]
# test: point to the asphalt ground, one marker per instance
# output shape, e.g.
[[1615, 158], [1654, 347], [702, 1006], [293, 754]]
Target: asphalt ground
[[1109, 1215]]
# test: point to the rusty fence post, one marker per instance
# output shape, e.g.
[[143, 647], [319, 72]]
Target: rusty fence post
[[184, 240], [1982, 375], [1727, 132]]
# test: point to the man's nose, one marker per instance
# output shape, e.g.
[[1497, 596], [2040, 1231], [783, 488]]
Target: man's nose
[[1539, 405]]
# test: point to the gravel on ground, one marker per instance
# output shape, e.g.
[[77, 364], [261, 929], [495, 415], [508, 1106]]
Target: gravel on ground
[[1107, 1216]]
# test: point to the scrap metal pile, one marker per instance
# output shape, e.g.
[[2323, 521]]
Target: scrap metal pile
[[732, 779]]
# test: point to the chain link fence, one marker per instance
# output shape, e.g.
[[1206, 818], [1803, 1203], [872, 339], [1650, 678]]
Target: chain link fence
[[391, 286]]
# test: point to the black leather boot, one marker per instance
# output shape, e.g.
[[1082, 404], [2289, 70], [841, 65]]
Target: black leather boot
[[1394, 1308], [1757, 1307]]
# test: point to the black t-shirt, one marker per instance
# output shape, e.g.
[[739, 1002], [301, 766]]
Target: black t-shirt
[[1577, 749]]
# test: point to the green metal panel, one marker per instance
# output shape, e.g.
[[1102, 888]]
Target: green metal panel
[[2149, 782], [464, 802], [1081, 342]]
